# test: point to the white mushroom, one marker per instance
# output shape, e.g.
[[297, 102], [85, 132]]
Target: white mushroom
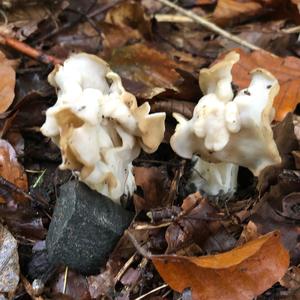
[[226, 130], [98, 125]]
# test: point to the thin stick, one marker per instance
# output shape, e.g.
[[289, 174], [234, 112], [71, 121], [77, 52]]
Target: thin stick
[[172, 18], [29, 51], [209, 25], [152, 291], [291, 30], [137, 246], [125, 267], [65, 280]]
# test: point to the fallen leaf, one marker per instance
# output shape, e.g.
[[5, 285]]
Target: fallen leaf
[[271, 214], [286, 70], [7, 83], [196, 226], [145, 71], [242, 273], [249, 233], [130, 15], [9, 262], [155, 187], [24, 221], [10, 169], [229, 12], [291, 206], [291, 279]]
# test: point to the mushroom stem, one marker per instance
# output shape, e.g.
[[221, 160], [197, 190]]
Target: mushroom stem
[[213, 178]]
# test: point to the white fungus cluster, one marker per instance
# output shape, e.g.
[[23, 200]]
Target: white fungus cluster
[[98, 125], [227, 131]]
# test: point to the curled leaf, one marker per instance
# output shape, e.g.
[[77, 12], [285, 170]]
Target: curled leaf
[[242, 273]]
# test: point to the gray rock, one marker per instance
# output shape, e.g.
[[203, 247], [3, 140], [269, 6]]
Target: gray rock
[[85, 228]]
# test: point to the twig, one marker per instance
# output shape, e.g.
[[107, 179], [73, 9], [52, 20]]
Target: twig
[[28, 51], [65, 280], [209, 25], [124, 268], [152, 291], [137, 246], [149, 226], [172, 18], [12, 188], [295, 29]]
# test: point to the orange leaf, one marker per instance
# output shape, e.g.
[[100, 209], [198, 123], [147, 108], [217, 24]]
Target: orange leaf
[[229, 12], [286, 70], [7, 82], [10, 169], [240, 274]]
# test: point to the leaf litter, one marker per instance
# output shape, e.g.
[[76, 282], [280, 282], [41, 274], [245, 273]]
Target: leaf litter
[[182, 243]]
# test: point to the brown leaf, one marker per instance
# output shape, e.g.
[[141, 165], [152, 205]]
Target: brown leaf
[[7, 83], [130, 14], [124, 23], [249, 233], [286, 70], [229, 12], [196, 226], [291, 279], [155, 184], [272, 214], [145, 71], [10, 169], [242, 273]]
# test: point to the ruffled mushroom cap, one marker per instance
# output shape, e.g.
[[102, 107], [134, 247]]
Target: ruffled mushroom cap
[[217, 79], [98, 125], [235, 131]]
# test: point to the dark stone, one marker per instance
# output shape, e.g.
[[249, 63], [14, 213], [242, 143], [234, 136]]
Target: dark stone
[[85, 228]]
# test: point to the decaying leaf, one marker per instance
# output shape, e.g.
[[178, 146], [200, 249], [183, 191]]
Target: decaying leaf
[[7, 83], [279, 210], [10, 169], [9, 262], [291, 279], [145, 71], [195, 226], [286, 70], [124, 23], [155, 184], [241, 273]]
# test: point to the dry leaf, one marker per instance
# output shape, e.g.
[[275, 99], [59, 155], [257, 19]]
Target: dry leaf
[[291, 279], [7, 83], [242, 273], [9, 262], [286, 70], [229, 12], [145, 71], [155, 184], [196, 226], [10, 169]]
